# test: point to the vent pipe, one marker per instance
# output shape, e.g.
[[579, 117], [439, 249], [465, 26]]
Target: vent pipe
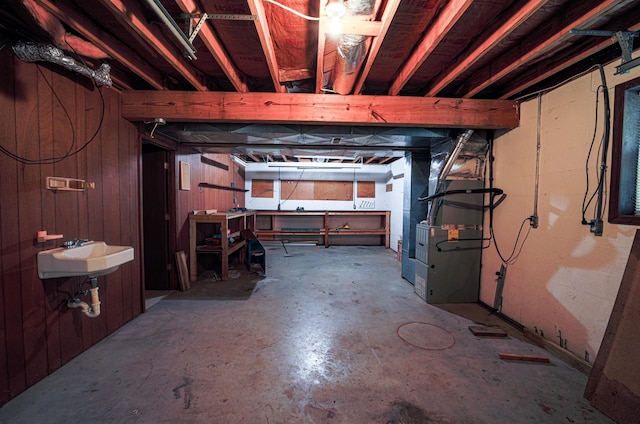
[[351, 50]]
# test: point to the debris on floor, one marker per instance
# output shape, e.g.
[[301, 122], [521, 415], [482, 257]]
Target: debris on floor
[[485, 331], [524, 358]]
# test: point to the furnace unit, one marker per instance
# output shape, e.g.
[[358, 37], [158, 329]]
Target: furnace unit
[[449, 241]]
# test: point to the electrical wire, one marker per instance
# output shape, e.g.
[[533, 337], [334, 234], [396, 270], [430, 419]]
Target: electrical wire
[[70, 152], [295, 12], [603, 148], [294, 187], [585, 203], [553, 87]]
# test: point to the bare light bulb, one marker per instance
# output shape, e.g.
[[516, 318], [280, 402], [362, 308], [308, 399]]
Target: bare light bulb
[[335, 9]]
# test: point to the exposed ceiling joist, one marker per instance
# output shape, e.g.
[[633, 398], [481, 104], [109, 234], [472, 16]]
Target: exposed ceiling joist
[[132, 16], [484, 47], [387, 17], [262, 28], [214, 47], [541, 71], [452, 12], [318, 108], [576, 15], [105, 41]]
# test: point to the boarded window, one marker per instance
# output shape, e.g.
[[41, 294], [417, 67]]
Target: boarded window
[[316, 190], [366, 189], [262, 188]]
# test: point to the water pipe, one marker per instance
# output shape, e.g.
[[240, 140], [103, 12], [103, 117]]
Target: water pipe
[[92, 310]]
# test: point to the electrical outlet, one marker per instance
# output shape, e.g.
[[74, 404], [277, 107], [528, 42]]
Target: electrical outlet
[[596, 226]]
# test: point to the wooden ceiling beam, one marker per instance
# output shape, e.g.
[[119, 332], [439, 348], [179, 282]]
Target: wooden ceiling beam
[[266, 41], [387, 16], [115, 49], [550, 67], [214, 46], [486, 46], [555, 31], [132, 17], [447, 18], [304, 108]]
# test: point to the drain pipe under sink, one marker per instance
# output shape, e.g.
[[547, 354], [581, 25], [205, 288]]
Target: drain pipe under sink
[[90, 311]]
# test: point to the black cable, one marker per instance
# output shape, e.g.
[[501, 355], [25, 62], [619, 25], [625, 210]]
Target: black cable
[[513, 256], [585, 203], [491, 190], [294, 188], [70, 152]]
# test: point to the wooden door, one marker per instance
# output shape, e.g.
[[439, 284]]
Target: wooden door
[[155, 218]]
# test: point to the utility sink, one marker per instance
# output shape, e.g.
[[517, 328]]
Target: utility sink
[[92, 259]]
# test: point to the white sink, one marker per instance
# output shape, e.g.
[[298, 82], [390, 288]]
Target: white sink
[[92, 259]]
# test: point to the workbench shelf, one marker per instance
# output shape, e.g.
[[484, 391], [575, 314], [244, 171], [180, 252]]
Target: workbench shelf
[[214, 237], [325, 227]]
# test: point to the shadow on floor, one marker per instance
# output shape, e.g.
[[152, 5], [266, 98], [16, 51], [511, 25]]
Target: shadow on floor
[[240, 286]]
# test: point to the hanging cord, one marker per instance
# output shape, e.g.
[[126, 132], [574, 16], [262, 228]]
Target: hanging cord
[[586, 203], [597, 222], [354, 189], [534, 216], [294, 187], [70, 152], [515, 251]]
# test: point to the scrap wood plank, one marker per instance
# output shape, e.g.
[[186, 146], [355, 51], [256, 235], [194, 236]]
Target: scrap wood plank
[[183, 271], [485, 331], [520, 357]]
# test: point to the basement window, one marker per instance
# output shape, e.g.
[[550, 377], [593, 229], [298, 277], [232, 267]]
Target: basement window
[[624, 203]]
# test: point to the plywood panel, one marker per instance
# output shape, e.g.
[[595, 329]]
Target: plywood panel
[[296, 190], [614, 382], [262, 188], [366, 189], [333, 190]]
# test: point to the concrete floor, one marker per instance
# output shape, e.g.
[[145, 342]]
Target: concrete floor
[[329, 336]]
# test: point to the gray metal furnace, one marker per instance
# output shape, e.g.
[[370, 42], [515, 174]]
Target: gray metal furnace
[[449, 242]]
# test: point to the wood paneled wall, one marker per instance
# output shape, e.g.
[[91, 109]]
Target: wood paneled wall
[[46, 111], [206, 198]]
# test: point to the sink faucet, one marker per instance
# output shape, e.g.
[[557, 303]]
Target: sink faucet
[[70, 244]]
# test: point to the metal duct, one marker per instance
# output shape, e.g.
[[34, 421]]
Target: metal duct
[[32, 52], [351, 50]]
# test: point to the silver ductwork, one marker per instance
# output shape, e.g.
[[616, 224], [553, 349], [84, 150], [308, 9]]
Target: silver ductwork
[[32, 52], [351, 50]]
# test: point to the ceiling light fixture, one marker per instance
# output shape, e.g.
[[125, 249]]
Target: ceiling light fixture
[[314, 165], [335, 10], [239, 161]]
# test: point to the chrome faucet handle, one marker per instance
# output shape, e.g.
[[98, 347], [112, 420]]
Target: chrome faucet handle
[[69, 244]]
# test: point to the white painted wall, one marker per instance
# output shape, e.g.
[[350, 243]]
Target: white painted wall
[[377, 173], [393, 200], [565, 279], [383, 201]]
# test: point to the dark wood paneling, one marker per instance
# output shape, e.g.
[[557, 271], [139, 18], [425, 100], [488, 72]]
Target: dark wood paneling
[[29, 183], [46, 112], [204, 198], [13, 364]]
